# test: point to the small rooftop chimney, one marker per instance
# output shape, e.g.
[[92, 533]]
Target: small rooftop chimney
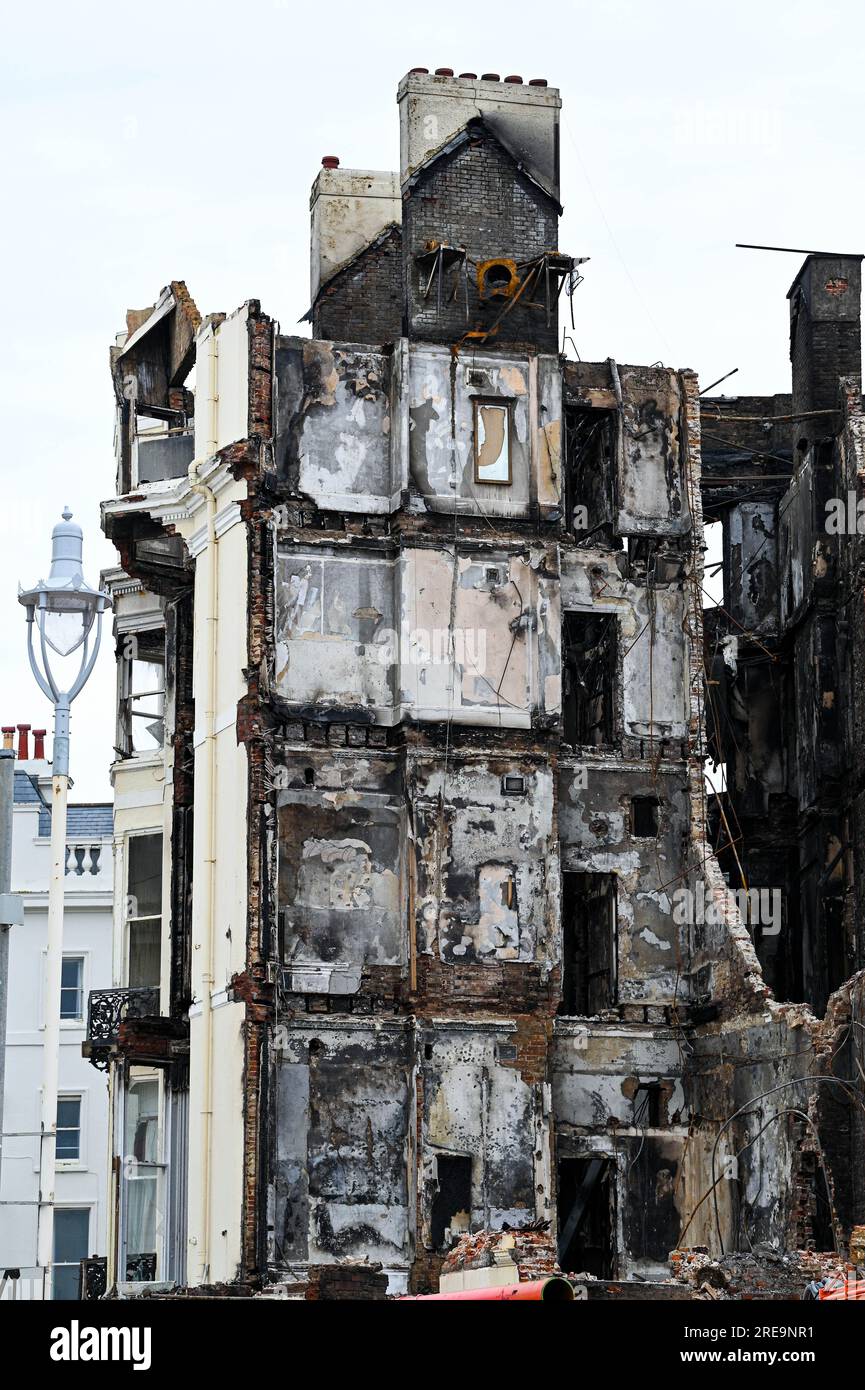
[[23, 746], [348, 208]]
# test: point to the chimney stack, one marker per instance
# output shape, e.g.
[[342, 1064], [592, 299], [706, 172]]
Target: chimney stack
[[348, 208], [23, 749], [825, 335], [433, 107]]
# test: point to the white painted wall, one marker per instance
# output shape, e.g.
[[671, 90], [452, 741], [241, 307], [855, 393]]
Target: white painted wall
[[87, 931]]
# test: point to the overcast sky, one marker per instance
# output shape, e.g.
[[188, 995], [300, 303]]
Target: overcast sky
[[178, 141]]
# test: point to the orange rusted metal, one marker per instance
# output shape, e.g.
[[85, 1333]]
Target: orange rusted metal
[[553, 1290]]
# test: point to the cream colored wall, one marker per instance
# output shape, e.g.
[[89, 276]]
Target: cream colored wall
[[143, 801], [224, 1151]]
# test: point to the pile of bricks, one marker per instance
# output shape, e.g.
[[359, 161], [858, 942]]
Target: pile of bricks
[[358, 1282], [533, 1252], [764, 1274]]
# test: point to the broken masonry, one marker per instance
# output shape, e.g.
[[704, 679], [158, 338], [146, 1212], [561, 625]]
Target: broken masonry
[[416, 692]]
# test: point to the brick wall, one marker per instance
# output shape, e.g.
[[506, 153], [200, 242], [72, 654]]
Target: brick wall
[[363, 302], [476, 197]]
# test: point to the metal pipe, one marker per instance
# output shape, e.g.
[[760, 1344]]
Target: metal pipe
[[552, 1290], [206, 798]]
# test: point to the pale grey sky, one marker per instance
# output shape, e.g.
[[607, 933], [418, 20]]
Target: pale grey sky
[[149, 143]]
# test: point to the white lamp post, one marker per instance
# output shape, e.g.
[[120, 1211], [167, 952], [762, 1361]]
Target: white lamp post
[[63, 607]]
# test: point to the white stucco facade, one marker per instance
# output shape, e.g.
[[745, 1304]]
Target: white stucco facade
[[82, 1187]]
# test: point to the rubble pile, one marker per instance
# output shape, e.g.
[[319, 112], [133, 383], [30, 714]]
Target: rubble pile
[[532, 1250], [764, 1273]]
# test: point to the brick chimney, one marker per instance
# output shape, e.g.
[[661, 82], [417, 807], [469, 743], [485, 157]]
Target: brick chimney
[[348, 208], [525, 115], [825, 334]]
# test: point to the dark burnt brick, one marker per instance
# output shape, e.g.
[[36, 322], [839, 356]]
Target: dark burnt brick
[[478, 198], [363, 301]]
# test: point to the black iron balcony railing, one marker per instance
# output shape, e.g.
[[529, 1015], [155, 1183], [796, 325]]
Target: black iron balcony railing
[[93, 1280], [106, 1010]]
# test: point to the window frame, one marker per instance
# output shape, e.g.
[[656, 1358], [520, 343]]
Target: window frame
[[128, 920], [74, 1020], [154, 1171], [507, 405], [78, 1160], [127, 714], [69, 1264]]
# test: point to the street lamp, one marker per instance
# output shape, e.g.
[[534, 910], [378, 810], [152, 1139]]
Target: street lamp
[[63, 607]]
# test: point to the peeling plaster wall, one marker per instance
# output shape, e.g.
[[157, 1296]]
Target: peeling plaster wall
[[487, 868], [476, 1104], [751, 563], [651, 486], [341, 886], [334, 610], [476, 641], [653, 694], [501, 610], [338, 439], [595, 832], [342, 1122], [441, 448], [356, 427]]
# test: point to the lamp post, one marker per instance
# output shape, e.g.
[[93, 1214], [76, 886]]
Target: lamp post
[[63, 608]]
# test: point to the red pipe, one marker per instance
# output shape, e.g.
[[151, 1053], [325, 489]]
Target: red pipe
[[845, 1288], [553, 1290]]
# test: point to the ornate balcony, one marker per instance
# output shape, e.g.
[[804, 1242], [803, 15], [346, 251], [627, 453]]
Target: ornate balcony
[[107, 1009]]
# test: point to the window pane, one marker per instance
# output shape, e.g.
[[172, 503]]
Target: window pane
[[144, 953], [66, 1281], [71, 1235], [71, 986], [69, 1112], [147, 678], [145, 703], [141, 1213], [142, 1121], [144, 884]]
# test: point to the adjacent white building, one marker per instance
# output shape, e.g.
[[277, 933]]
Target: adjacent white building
[[82, 1112]]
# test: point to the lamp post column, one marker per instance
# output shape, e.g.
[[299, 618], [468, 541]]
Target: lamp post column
[[66, 615]]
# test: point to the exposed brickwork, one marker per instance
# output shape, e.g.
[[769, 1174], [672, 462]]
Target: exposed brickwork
[[363, 303], [352, 1283], [475, 197]]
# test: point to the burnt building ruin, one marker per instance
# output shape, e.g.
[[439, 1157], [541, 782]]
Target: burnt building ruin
[[426, 922]]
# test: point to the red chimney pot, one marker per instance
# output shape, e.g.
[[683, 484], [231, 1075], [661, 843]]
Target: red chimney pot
[[23, 731], [444, 72], [469, 74], [330, 161], [490, 77], [39, 744], [537, 82], [424, 70], [518, 81]]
